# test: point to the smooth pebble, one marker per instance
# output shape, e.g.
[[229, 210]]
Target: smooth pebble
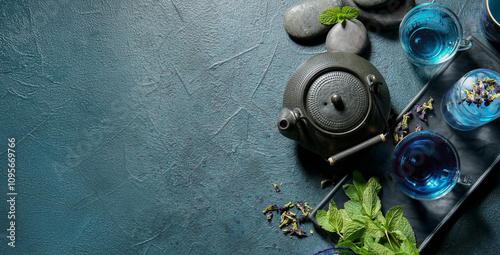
[[349, 38], [301, 20], [372, 4]]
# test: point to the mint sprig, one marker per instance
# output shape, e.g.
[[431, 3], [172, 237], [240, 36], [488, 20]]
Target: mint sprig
[[336, 15], [362, 227]]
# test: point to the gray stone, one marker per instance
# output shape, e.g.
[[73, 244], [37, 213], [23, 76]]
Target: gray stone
[[301, 20], [385, 18], [349, 38], [372, 4]]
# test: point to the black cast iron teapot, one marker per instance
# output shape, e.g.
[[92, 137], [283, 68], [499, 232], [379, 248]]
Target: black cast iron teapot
[[335, 104]]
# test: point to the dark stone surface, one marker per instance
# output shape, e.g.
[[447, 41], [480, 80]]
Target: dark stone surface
[[149, 127]]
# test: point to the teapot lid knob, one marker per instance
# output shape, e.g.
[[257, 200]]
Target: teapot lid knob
[[337, 102]]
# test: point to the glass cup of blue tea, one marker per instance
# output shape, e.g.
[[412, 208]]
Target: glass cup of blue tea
[[473, 101], [489, 20], [431, 34], [426, 166]]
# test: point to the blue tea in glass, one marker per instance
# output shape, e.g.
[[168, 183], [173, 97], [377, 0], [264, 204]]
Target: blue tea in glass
[[473, 101], [431, 34], [489, 19], [425, 166]]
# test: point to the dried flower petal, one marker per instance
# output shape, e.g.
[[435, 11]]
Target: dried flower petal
[[307, 206], [428, 105], [402, 128], [276, 187], [285, 222], [494, 86], [282, 209], [418, 128], [290, 219], [285, 208], [302, 218], [270, 208], [301, 206], [418, 107], [483, 93], [269, 215], [299, 233], [421, 116], [421, 109]]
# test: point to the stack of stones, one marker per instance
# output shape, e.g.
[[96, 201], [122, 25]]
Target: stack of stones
[[301, 23]]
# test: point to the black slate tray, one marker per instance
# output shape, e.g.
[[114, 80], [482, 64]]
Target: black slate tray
[[479, 152]]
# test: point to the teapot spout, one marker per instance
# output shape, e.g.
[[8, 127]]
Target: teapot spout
[[287, 123]]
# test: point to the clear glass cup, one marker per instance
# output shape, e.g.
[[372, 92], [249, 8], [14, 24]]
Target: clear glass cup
[[471, 102], [489, 20], [431, 34], [426, 166]]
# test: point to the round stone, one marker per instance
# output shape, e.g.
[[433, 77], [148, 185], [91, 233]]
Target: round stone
[[349, 38], [387, 17], [372, 4], [301, 20]]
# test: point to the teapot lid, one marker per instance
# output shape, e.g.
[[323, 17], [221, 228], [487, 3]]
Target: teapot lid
[[337, 101]]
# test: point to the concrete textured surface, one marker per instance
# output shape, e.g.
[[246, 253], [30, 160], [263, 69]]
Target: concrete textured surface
[[149, 127]]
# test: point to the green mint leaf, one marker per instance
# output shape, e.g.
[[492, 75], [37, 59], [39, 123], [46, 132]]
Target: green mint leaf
[[405, 227], [371, 202], [351, 191], [353, 247], [367, 240], [359, 182], [393, 216], [380, 218], [375, 229], [353, 209], [323, 221], [345, 217], [409, 248], [363, 219], [378, 249], [399, 235], [350, 12], [353, 230], [376, 183], [340, 18], [329, 16], [334, 217]]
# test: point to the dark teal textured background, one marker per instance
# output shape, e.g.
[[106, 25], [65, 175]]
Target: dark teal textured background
[[149, 127]]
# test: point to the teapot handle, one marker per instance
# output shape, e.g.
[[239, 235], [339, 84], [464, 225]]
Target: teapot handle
[[364, 145], [374, 89]]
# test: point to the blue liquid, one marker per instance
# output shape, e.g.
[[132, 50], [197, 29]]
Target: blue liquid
[[430, 36], [462, 116], [495, 10], [425, 166], [426, 43]]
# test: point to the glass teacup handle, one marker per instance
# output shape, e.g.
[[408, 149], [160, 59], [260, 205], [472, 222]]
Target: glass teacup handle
[[465, 44], [465, 179]]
